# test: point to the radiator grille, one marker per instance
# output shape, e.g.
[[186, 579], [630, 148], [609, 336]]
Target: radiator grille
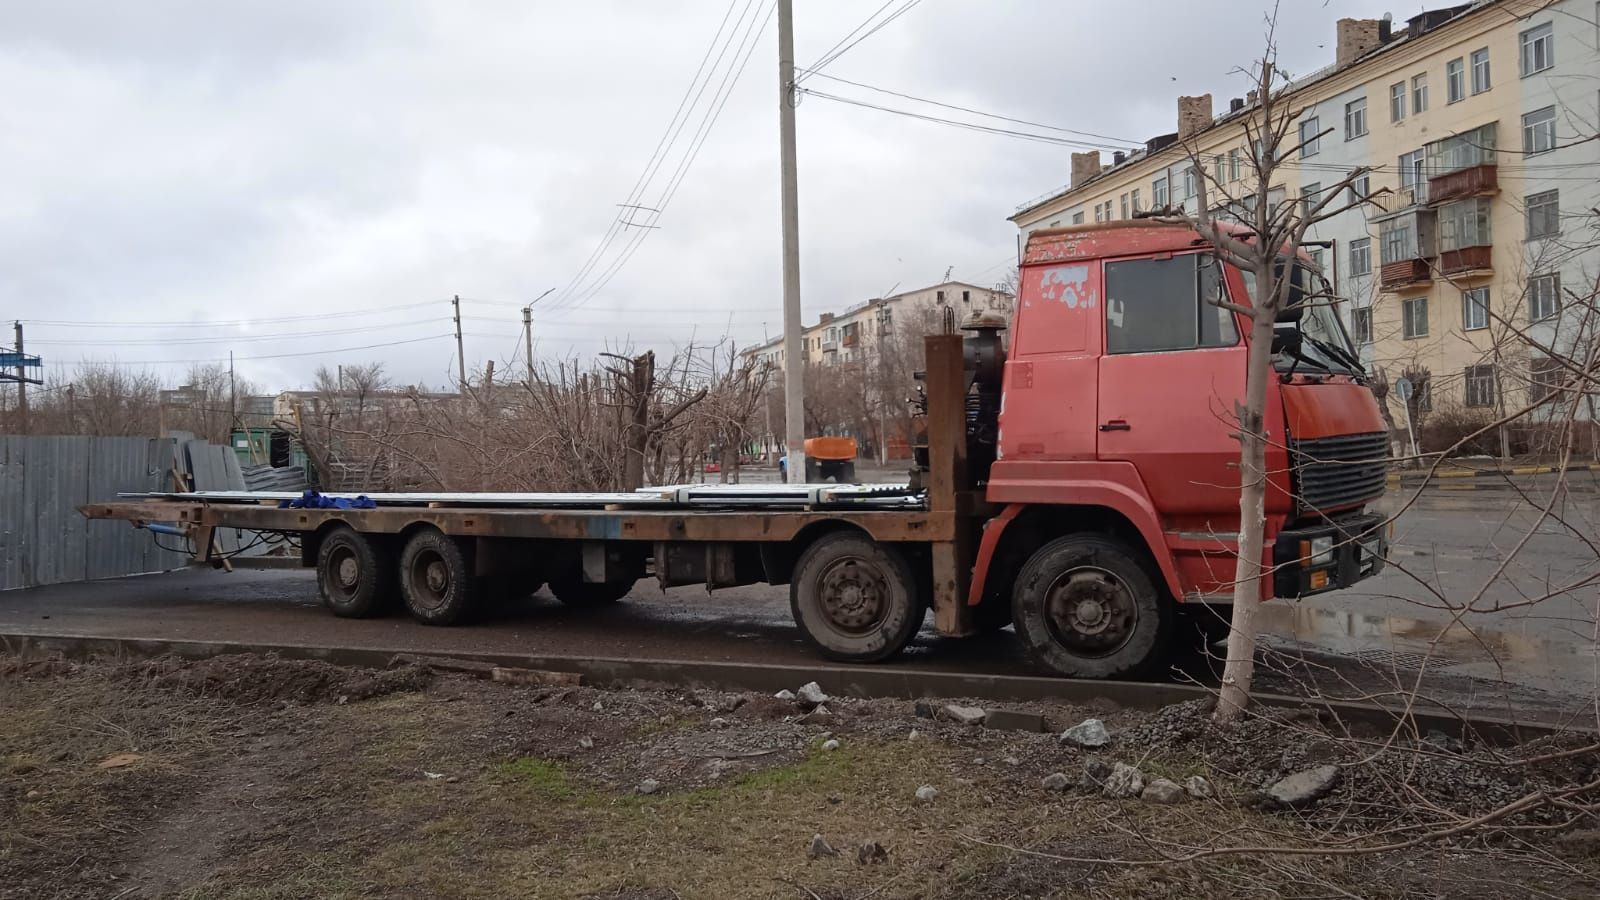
[[1334, 472]]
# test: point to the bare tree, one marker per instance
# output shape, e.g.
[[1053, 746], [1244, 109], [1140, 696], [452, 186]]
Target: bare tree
[[1267, 232]]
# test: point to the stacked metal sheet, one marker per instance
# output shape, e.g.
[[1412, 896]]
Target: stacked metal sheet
[[696, 496]]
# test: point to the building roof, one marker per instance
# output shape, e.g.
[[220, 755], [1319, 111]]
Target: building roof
[[1418, 26]]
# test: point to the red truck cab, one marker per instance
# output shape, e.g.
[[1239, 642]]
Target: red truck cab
[[1116, 422]]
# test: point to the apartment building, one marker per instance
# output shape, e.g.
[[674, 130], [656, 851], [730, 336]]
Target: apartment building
[[855, 333], [1479, 120]]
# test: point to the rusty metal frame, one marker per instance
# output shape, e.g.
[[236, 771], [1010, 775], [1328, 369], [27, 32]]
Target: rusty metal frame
[[894, 526]]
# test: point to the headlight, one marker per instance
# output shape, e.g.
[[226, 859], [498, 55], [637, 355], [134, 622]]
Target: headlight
[[1317, 551]]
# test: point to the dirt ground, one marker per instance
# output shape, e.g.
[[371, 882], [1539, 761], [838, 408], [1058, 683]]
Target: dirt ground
[[250, 777]]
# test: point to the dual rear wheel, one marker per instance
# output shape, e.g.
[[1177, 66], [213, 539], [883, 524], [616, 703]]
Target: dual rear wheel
[[359, 575]]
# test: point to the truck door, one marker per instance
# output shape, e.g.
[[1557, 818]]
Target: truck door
[[1172, 369], [1049, 406]]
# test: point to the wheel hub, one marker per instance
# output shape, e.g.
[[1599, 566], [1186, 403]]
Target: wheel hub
[[438, 577], [1091, 611], [853, 595], [349, 573]]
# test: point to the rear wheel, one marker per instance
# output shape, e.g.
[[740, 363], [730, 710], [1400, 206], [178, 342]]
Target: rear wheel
[[855, 599], [355, 574], [436, 579], [1086, 606], [576, 592]]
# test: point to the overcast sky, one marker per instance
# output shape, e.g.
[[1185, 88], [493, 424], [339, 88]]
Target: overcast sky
[[172, 163]]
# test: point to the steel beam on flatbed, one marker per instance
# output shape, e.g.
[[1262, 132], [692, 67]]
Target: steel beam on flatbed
[[559, 524]]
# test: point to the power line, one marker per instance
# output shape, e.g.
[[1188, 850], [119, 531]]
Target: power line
[[725, 90], [219, 323], [162, 362], [669, 137], [233, 339], [970, 126], [833, 55], [840, 43], [1128, 142]]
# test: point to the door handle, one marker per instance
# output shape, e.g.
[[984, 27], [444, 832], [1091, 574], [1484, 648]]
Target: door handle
[[1116, 425]]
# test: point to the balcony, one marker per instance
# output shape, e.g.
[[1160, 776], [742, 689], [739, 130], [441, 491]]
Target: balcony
[[849, 339], [1391, 202], [830, 346], [1474, 260], [1472, 181], [1404, 273]]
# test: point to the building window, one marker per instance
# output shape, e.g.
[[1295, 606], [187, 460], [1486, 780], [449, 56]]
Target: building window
[[1308, 197], [1419, 93], [939, 297], [1099, 213], [1361, 324], [1415, 313], [1310, 140], [1397, 244], [1355, 118], [1461, 151], [1544, 296], [1360, 189], [1189, 184], [1316, 257], [1124, 199], [1480, 70], [1361, 256], [1411, 176], [1475, 309], [1137, 206], [1158, 193], [1077, 217], [1480, 385], [1538, 49], [1464, 223], [1233, 165], [1545, 377], [1544, 214], [966, 296], [1455, 80], [1397, 101], [1539, 131], [1166, 304]]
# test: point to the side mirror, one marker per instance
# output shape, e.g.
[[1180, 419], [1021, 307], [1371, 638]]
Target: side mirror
[[1287, 340]]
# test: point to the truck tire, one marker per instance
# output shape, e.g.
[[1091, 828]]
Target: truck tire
[[580, 594], [355, 574], [855, 599], [846, 473], [1086, 606], [436, 579]]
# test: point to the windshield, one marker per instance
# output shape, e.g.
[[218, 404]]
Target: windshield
[[1324, 343]]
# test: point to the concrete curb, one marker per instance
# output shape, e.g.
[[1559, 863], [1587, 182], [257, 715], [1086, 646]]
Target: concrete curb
[[1449, 471], [882, 681]]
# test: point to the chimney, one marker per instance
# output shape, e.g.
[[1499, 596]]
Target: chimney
[[1235, 104], [1357, 37], [1118, 158], [1085, 166], [1252, 96], [1386, 29], [824, 318], [1194, 115]]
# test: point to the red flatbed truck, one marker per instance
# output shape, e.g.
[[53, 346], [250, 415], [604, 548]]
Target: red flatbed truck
[[1083, 485]]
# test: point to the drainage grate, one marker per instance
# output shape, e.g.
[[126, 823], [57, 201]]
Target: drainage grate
[[1389, 659]]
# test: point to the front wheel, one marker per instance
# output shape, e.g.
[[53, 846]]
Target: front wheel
[[855, 599], [1087, 606]]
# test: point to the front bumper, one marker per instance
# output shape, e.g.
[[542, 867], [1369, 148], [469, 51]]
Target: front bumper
[[1360, 543]]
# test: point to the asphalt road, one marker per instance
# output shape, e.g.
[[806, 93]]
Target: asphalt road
[[1477, 546]]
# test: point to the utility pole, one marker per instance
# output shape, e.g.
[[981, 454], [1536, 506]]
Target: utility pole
[[461, 350], [22, 384], [527, 337], [794, 407], [233, 399]]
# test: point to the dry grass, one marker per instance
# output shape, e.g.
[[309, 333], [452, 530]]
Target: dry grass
[[275, 799]]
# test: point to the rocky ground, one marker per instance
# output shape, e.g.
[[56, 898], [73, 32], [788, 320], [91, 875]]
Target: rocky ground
[[262, 778]]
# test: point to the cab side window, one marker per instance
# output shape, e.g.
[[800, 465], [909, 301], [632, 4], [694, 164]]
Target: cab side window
[[1166, 304]]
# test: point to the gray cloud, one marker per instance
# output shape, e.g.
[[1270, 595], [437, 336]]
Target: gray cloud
[[176, 161]]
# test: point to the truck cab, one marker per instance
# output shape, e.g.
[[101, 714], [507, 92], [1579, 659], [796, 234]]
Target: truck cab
[[1116, 424]]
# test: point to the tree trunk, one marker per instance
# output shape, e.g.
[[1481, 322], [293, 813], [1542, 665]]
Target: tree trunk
[[1239, 671]]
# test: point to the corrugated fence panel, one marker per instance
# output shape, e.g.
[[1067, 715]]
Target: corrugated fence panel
[[43, 481]]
